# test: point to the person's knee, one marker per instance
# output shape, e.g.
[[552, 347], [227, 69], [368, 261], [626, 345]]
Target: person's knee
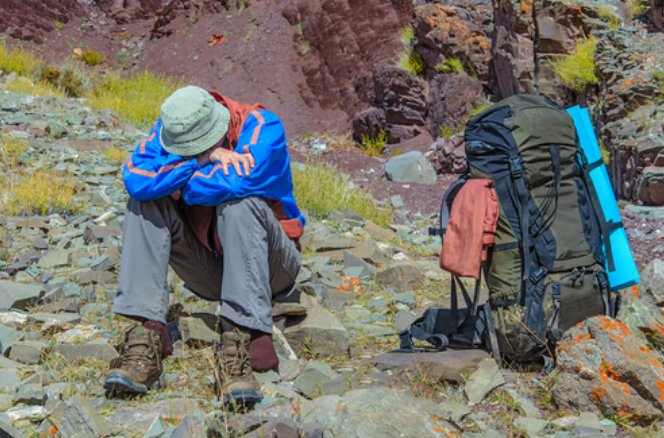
[[242, 211]]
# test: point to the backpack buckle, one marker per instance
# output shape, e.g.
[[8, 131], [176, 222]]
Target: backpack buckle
[[436, 232], [515, 168], [539, 275]]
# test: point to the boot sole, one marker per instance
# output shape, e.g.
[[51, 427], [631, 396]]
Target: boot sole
[[246, 398], [119, 383]]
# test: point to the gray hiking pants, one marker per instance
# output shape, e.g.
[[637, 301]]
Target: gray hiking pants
[[258, 262]]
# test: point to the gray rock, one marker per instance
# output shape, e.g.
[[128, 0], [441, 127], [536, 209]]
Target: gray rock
[[54, 259], [532, 426], [588, 420], [18, 296], [312, 430], [396, 201], [404, 319], [289, 369], [96, 233], [71, 319], [195, 331], [608, 427], [159, 429], [457, 410], [7, 431], [446, 365], [76, 417], [652, 282], [319, 331], [401, 277], [312, 376], [528, 408], [285, 428], [30, 395], [138, 419], [189, 427], [7, 338], [29, 352], [483, 380], [410, 167], [353, 261], [320, 409], [8, 364], [267, 377], [337, 386], [364, 413], [9, 381], [103, 352]]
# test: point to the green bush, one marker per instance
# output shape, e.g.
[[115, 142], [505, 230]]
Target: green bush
[[577, 69], [450, 65], [608, 14], [320, 188], [411, 61], [374, 147]]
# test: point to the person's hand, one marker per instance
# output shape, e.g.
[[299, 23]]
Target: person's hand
[[230, 158], [204, 158]]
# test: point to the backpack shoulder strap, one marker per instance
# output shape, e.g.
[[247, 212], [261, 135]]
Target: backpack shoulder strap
[[446, 206]]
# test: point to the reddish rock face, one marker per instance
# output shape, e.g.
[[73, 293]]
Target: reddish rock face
[[28, 25], [602, 364]]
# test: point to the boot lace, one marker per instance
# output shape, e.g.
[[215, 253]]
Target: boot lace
[[133, 356]]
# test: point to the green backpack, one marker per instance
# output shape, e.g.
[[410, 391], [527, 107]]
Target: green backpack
[[551, 277], [545, 272]]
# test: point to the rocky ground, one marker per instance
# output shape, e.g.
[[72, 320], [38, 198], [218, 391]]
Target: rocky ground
[[359, 286]]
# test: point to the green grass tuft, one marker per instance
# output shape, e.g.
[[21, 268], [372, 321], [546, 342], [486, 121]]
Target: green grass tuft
[[450, 65], [449, 131], [136, 99], [478, 108], [320, 188], [635, 8], [92, 57], [406, 35], [608, 14], [577, 69], [411, 62]]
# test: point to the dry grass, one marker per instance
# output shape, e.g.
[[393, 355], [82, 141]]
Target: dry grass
[[374, 147], [320, 188], [11, 149], [136, 99], [92, 57], [17, 60], [24, 85], [41, 192], [115, 155]]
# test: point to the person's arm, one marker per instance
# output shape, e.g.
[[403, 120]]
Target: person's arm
[[152, 173], [264, 138]]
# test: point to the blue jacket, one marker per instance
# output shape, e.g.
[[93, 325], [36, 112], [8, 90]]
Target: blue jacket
[[153, 173]]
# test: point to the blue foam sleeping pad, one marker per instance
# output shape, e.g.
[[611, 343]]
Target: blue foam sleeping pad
[[626, 273]]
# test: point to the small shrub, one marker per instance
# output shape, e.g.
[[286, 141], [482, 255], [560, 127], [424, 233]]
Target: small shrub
[[17, 60], [406, 35], [38, 88], [115, 155], [136, 99], [67, 78], [42, 192], [11, 148], [124, 36], [411, 62], [450, 65], [320, 188], [92, 57], [59, 25], [374, 147], [659, 77], [577, 69], [608, 14], [634, 8], [447, 131]]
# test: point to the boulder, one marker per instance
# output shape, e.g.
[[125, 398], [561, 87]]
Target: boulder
[[312, 376], [7, 337], [411, 167], [76, 417], [644, 320], [29, 352], [449, 155], [319, 333], [602, 364], [401, 277]]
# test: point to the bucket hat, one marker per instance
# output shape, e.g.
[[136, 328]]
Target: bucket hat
[[192, 121]]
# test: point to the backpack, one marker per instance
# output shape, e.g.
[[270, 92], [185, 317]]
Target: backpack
[[545, 271]]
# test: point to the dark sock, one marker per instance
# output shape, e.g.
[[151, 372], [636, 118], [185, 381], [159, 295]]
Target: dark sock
[[263, 356], [167, 345]]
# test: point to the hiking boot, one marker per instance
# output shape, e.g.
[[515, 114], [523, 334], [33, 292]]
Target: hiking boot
[[235, 378], [139, 366]]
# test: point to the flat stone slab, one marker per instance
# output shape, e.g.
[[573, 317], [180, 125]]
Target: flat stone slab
[[19, 296], [139, 419], [103, 352], [443, 365]]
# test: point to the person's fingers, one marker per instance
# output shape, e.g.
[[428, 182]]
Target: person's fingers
[[224, 164], [244, 159], [236, 165], [252, 162]]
